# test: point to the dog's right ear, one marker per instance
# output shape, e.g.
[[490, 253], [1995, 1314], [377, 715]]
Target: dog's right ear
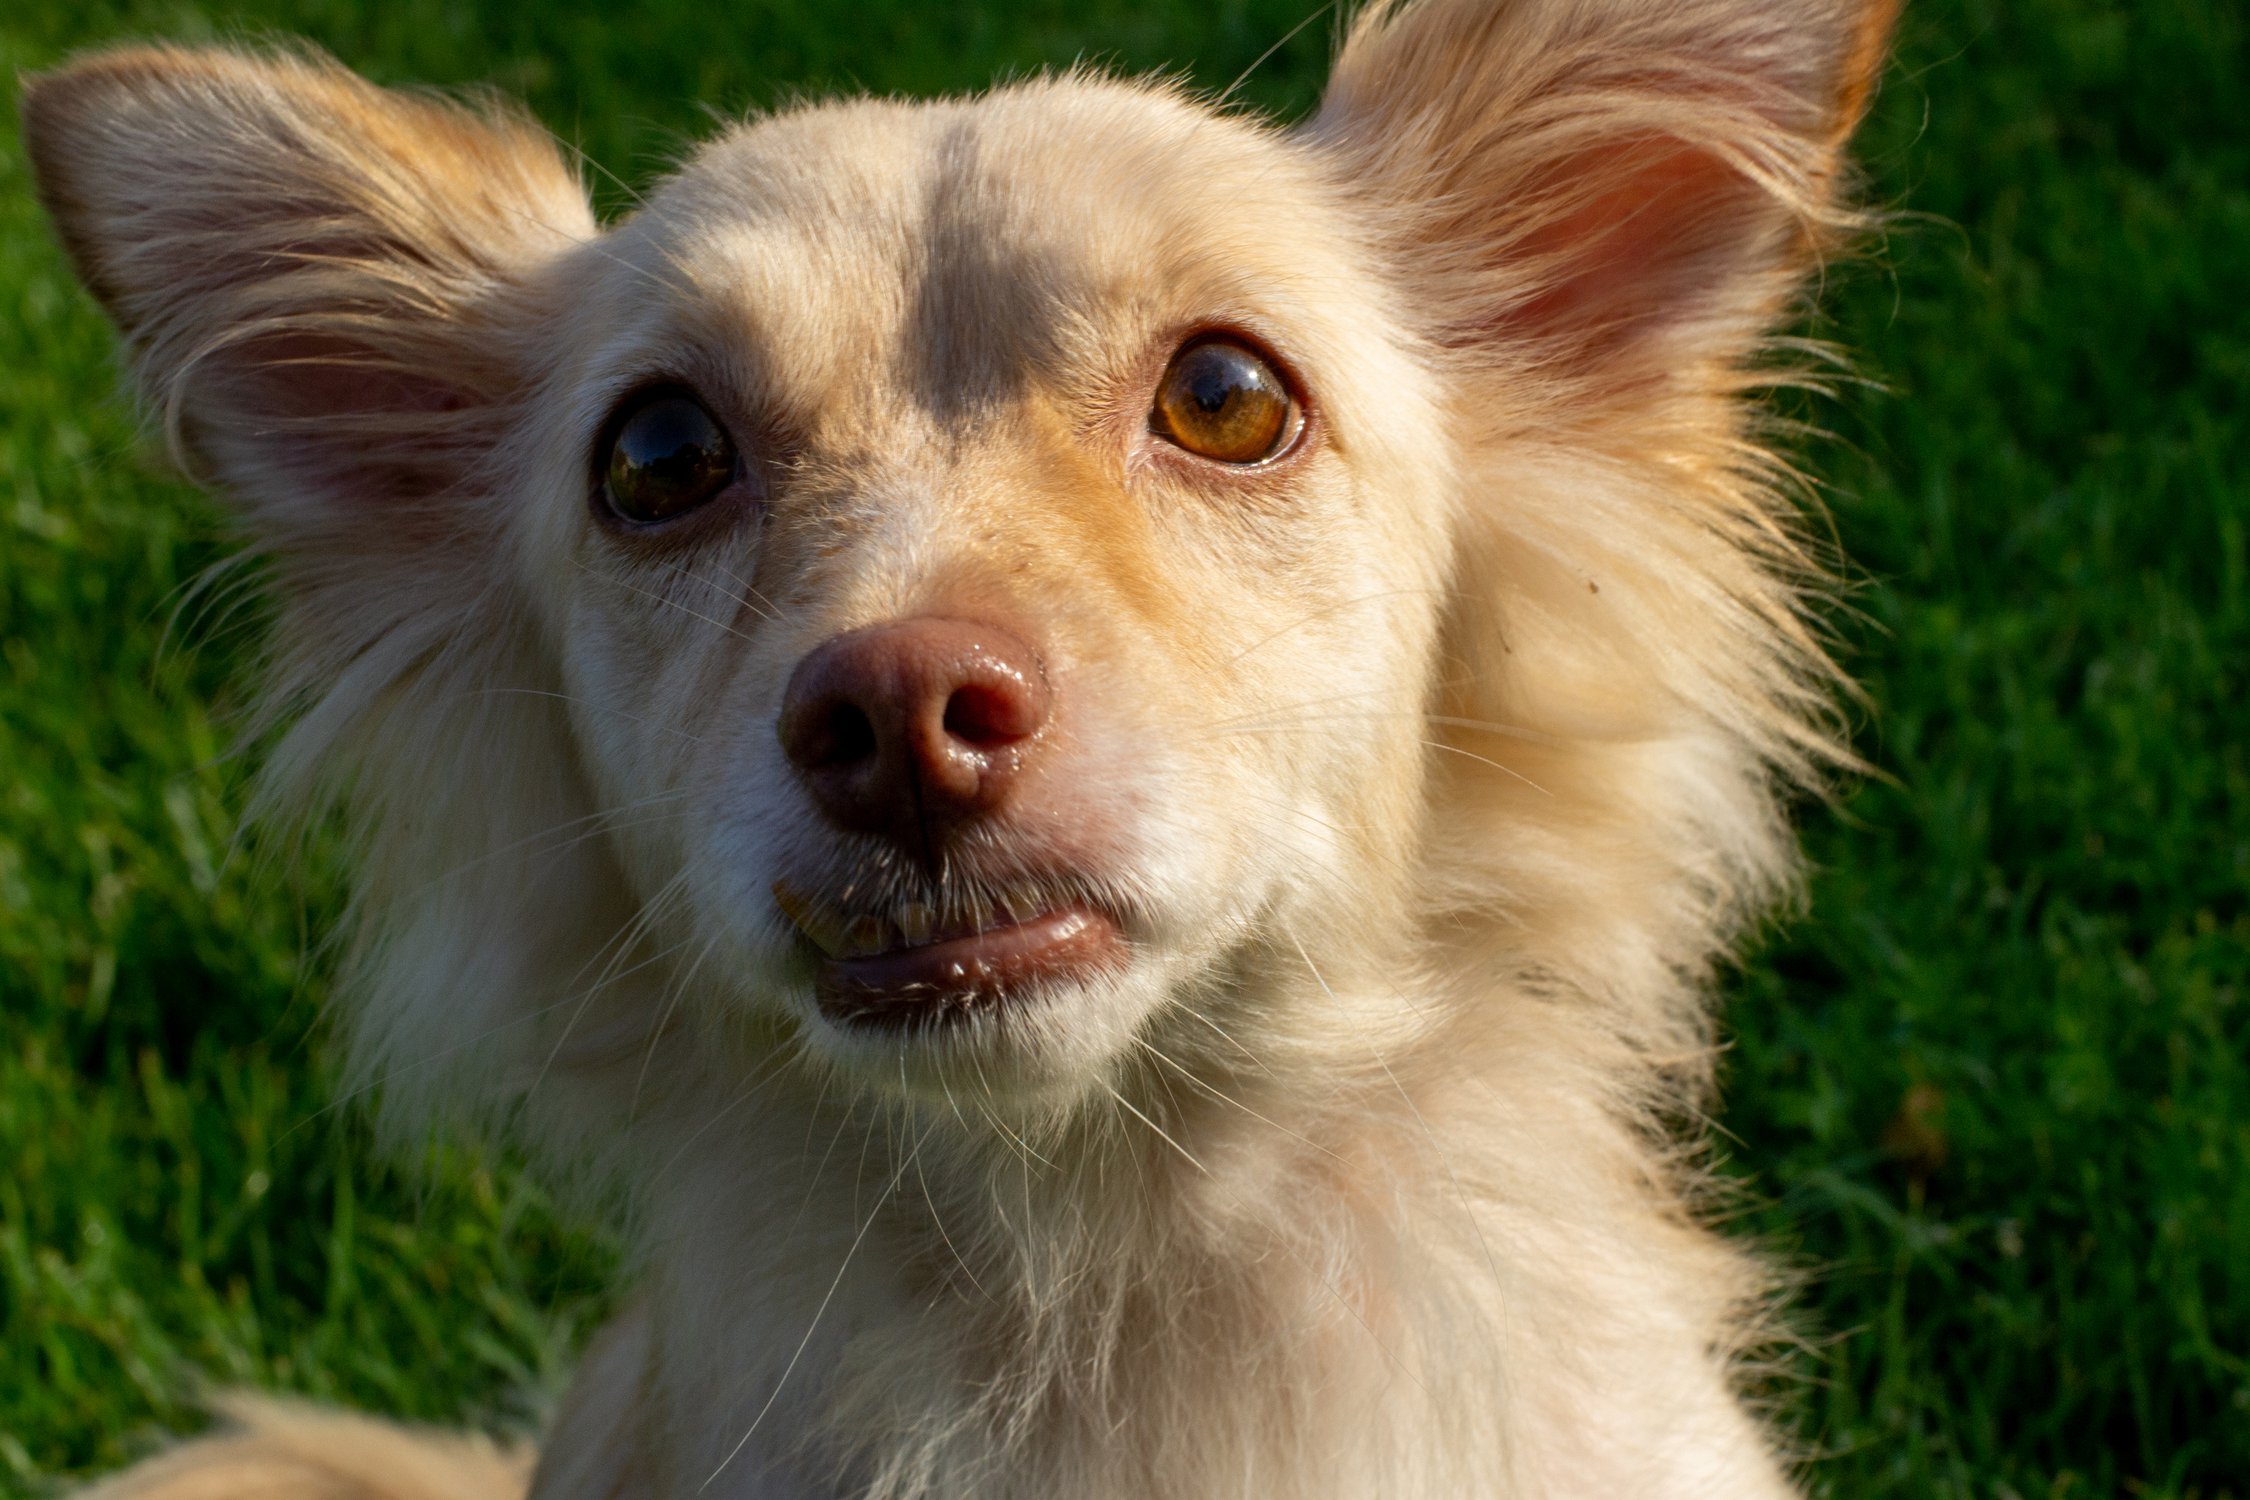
[[321, 281]]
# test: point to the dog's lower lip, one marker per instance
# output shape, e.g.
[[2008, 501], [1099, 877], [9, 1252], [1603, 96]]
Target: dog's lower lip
[[938, 981]]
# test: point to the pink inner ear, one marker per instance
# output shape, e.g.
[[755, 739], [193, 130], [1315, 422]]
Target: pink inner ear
[[328, 421], [308, 377], [1662, 230]]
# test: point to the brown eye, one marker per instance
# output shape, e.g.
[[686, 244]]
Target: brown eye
[[667, 456], [1220, 401]]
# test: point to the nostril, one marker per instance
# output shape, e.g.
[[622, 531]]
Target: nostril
[[846, 736], [987, 718], [827, 730]]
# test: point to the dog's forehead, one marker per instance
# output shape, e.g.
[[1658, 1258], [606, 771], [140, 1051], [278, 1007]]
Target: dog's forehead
[[962, 246], [1093, 174]]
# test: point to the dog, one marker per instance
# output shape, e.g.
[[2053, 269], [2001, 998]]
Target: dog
[[1084, 758]]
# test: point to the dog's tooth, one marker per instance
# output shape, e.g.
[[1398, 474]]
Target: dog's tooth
[[916, 921], [867, 935], [811, 918]]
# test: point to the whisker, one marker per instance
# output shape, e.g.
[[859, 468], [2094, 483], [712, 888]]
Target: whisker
[[1288, 717], [669, 603], [1429, 1137], [600, 708], [628, 935], [767, 1072], [1266, 56], [672, 286], [568, 844], [771, 612], [1301, 813], [1224, 1097], [1319, 1274], [433, 1058], [820, 1169], [586, 159], [1322, 613], [1488, 726], [929, 1200], [1293, 726], [818, 1313], [1487, 760], [1128, 1106], [1025, 1149], [1195, 1013], [674, 993], [1289, 712]]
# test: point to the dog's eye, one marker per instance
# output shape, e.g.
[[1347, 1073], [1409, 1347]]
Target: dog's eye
[[667, 455], [1220, 401]]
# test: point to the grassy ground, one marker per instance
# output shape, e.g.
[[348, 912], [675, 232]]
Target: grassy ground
[[1992, 1091]]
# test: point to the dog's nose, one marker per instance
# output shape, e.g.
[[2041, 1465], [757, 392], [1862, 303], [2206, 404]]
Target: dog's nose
[[911, 729]]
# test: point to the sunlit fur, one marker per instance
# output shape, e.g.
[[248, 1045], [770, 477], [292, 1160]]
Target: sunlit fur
[[284, 1451], [1433, 767]]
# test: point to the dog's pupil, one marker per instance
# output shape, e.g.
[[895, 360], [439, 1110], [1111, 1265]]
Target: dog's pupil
[[1214, 384]]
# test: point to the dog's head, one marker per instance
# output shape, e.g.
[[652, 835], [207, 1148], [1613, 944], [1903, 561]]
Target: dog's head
[[968, 593]]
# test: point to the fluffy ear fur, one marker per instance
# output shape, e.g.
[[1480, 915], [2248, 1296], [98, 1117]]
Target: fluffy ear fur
[[1595, 213], [333, 295], [321, 282], [1629, 184]]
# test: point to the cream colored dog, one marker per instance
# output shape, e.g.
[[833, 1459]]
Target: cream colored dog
[[1086, 758]]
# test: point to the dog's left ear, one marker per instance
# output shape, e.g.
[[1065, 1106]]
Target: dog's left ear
[[1606, 190]]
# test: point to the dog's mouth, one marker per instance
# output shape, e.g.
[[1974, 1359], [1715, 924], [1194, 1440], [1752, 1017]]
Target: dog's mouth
[[914, 966]]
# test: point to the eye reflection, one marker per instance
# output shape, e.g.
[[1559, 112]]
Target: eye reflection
[[667, 456]]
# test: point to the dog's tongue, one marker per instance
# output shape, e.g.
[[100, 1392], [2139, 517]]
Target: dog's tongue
[[929, 983]]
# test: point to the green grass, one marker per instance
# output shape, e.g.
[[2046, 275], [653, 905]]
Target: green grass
[[1992, 1091]]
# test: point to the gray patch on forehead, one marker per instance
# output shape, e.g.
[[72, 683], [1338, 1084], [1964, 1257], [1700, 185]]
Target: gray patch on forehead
[[982, 313]]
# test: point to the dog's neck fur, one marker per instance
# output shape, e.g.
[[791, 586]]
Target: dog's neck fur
[[1116, 1319]]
